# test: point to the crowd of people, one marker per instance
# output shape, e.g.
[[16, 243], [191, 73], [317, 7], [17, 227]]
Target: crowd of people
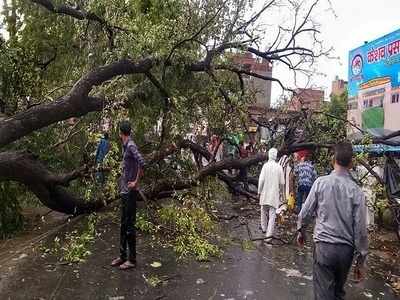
[[334, 200], [338, 206]]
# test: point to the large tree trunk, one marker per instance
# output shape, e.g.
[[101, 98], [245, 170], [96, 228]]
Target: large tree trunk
[[75, 103], [51, 189], [24, 167]]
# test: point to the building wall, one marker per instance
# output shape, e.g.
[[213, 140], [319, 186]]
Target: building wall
[[339, 86], [306, 99], [380, 95], [392, 109], [354, 116], [259, 87]]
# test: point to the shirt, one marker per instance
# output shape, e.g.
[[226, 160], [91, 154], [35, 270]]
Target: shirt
[[271, 178], [305, 173], [102, 150], [132, 161], [341, 211]]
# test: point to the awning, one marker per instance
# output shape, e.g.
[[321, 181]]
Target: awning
[[376, 149]]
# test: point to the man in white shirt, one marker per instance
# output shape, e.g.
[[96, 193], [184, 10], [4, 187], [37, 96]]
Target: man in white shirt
[[270, 184]]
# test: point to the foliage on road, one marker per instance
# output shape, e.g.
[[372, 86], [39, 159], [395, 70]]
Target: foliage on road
[[186, 225], [74, 246]]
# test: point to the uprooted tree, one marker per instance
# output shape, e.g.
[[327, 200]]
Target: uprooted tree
[[166, 65]]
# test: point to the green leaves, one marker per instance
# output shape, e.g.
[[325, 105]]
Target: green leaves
[[156, 264], [74, 248], [10, 211]]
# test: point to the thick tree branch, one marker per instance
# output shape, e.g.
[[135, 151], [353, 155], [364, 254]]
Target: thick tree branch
[[75, 12], [168, 188], [75, 103], [24, 167]]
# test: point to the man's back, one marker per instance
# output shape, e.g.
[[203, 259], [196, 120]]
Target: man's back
[[306, 173], [271, 178], [340, 208], [340, 230]]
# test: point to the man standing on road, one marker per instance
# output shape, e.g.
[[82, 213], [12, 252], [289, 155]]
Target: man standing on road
[[306, 175], [132, 169], [270, 184], [341, 229]]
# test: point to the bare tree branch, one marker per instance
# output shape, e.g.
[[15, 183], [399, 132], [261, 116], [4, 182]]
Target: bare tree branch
[[70, 134], [252, 74], [75, 12]]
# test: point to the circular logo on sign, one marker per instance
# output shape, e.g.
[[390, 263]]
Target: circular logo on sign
[[357, 65]]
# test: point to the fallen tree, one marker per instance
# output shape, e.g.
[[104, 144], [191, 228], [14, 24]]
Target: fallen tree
[[168, 66]]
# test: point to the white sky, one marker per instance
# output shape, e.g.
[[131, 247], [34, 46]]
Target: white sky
[[352, 23], [356, 21]]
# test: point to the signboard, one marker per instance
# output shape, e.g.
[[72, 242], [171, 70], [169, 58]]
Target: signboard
[[374, 83]]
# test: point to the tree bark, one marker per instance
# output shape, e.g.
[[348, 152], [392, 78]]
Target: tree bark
[[74, 104], [48, 187]]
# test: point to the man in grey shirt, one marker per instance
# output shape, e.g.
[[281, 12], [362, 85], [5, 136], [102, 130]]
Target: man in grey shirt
[[340, 231]]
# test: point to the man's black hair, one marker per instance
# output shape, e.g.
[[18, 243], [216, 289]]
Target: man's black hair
[[106, 135], [125, 127], [344, 154]]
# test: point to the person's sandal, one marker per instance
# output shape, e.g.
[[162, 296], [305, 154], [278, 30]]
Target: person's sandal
[[127, 265], [117, 262]]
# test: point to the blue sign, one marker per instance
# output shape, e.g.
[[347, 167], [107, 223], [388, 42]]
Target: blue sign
[[377, 61]]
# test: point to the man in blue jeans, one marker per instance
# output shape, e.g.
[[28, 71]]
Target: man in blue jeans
[[132, 169], [306, 175]]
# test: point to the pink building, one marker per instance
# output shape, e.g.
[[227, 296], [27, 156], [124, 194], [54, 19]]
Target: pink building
[[306, 99], [377, 105]]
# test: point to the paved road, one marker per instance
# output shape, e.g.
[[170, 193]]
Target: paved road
[[266, 272]]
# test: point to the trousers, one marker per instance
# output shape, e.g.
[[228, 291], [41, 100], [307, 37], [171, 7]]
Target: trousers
[[266, 209], [301, 196], [128, 229], [332, 263]]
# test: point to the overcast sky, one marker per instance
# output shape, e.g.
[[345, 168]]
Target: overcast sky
[[356, 21]]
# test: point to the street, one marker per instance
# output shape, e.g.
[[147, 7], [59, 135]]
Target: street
[[246, 271]]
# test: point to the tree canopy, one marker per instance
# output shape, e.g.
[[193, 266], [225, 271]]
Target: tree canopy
[[68, 68]]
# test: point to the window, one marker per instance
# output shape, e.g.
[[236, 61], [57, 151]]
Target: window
[[371, 102], [374, 92], [365, 103], [352, 105], [395, 98]]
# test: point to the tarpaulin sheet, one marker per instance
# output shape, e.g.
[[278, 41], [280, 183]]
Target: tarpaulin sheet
[[376, 148], [392, 177]]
